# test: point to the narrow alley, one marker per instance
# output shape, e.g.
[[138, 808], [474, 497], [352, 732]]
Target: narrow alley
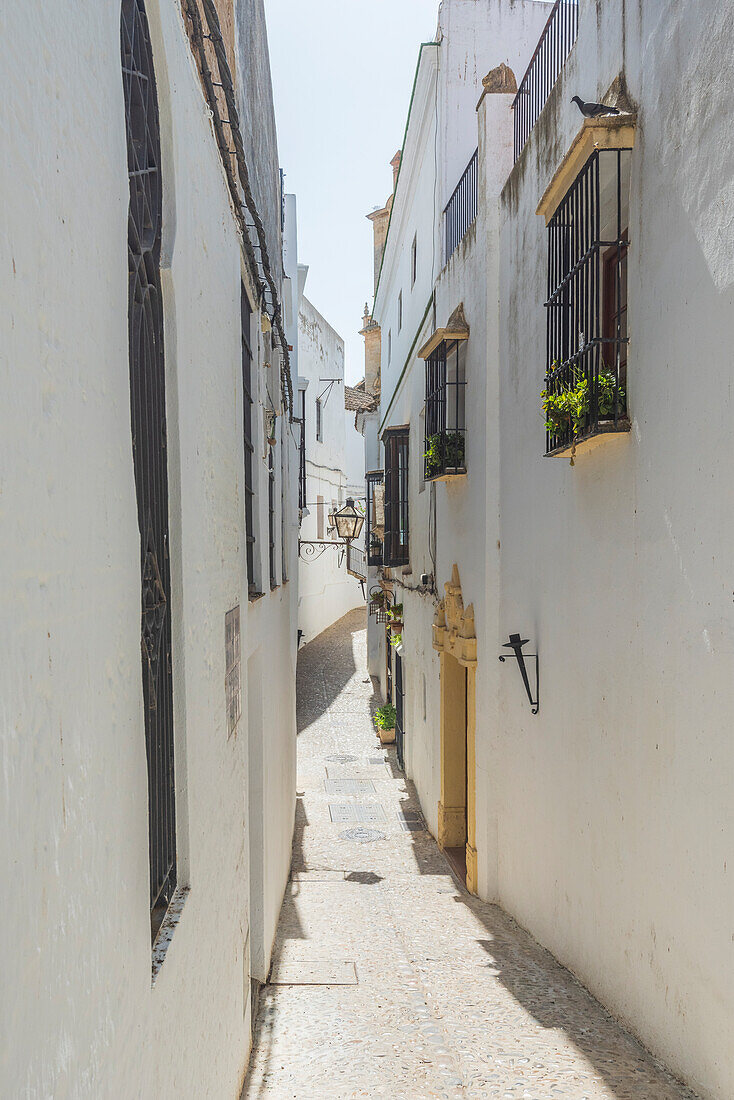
[[388, 979]]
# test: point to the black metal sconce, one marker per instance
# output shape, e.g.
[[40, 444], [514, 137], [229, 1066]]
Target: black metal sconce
[[515, 644]]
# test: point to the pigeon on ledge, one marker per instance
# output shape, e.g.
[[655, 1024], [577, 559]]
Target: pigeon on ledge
[[594, 110]]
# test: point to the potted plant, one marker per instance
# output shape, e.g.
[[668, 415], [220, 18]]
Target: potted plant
[[385, 719], [272, 439], [445, 451], [395, 615], [567, 409]]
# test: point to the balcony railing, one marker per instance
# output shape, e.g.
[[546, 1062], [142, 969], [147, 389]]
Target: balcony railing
[[544, 69], [461, 209]]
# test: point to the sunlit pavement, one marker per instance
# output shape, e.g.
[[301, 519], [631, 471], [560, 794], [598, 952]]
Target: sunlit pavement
[[388, 979]]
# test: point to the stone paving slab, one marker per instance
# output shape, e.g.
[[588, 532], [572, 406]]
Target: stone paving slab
[[452, 999]]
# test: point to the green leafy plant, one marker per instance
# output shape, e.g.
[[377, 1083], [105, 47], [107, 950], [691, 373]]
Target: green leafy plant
[[445, 451], [386, 717], [395, 614], [567, 409], [396, 640]]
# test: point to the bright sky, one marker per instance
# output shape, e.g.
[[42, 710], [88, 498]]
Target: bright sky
[[342, 76]]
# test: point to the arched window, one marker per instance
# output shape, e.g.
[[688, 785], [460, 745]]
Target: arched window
[[148, 416]]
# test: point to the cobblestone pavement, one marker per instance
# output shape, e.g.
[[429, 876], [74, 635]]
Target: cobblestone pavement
[[448, 997]]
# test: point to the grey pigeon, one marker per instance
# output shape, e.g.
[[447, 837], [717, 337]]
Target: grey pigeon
[[593, 110]]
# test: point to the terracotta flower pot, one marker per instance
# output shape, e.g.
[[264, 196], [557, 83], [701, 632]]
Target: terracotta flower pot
[[387, 737]]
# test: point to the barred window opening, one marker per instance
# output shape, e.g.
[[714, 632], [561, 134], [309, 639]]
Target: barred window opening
[[271, 518], [396, 544], [445, 419], [149, 445], [250, 499], [587, 336], [375, 516]]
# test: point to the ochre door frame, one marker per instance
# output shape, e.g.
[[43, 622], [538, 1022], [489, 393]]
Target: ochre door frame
[[455, 640]]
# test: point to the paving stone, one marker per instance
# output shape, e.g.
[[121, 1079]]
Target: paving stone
[[452, 998]]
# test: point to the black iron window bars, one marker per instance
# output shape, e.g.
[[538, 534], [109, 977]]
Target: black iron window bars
[[148, 419], [586, 379], [246, 313], [271, 518], [379, 604], [395, 551], [549, 57], [302, 455], [444, 452], [461, 209], [375, 515]]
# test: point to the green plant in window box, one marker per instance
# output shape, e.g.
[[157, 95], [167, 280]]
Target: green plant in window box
[[445, 451], [568, 409], [385, 720], [396, 639], [395, 615]]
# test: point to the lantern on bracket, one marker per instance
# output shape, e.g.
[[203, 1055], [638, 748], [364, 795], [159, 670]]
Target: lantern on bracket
[[348, 521]]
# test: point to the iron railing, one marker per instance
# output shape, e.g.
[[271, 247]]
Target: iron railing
[[375, 515], [554, 46], [461, 209], [586, 381], [250, 468], [356, 562], [445, 441], [271, 519]]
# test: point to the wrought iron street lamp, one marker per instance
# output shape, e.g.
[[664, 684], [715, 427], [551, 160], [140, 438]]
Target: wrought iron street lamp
[[348, 521]]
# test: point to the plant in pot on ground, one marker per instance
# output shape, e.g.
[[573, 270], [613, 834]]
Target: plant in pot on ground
[[385, 719], [444, 451], [567, 409]]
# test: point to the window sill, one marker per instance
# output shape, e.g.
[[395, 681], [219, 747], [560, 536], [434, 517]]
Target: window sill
[[449, 474], [274, 587], [253, 597], [592, 437], [167, 928]]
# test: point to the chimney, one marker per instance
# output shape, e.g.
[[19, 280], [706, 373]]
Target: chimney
[[395, 165], [371, 333]]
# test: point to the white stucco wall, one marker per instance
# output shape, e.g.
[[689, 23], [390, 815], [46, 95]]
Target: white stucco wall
[[614, 811], [80, 1016], [326, 590]]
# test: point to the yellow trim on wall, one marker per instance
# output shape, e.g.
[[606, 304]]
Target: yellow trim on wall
[[455, 639], [607, 132]]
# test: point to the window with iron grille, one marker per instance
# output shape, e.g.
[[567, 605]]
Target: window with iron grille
[[148, 420], [414, 260], [588, 241], [400, 310], [302, 456], [395, 550], [250, 498], [375, 516], [283, 507], [271, 518], [461, 209], [319, 424], [444, 452]]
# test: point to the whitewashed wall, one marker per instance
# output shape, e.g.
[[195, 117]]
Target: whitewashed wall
[[614, 807], [80, 1016], [326, 590]]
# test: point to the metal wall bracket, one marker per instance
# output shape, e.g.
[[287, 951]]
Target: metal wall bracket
[[515, 644]]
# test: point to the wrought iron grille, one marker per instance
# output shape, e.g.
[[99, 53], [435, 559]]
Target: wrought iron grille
[[246, 313], [554, 46], [148, 419], [461, 209], [395, 550], [375, 516], [302, 456], [399, 711], [356, 562], [271, 518], [587, 304], [445, 441]]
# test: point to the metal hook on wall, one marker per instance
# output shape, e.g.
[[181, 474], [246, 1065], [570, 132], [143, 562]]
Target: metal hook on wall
[[515, 644]]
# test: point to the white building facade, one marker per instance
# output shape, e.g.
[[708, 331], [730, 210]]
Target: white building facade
[[332, 471], [593, 806], [148, 760]]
